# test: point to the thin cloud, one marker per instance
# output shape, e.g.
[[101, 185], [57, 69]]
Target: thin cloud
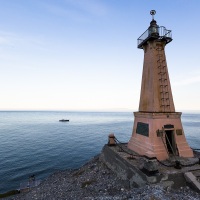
[[77, 10], [3, 40], [65, 12], [188, 81], [14, 40], [89, 6], [13, 46], [6, 39]]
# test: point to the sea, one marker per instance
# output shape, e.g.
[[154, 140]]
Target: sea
[[35, 142]]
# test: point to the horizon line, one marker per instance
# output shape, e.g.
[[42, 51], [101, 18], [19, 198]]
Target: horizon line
[[86, 110]]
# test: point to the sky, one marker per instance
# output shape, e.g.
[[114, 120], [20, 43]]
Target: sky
[[82, 54]]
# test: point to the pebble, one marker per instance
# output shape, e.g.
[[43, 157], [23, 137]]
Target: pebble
[[99, 184]]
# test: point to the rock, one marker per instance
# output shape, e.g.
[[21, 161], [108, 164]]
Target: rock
[[150, 165], [66, 185]]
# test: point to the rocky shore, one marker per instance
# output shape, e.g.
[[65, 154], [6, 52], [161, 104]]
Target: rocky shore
[[95, 181]]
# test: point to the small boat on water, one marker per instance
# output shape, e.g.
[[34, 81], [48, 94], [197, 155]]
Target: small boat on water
[[64, 120]]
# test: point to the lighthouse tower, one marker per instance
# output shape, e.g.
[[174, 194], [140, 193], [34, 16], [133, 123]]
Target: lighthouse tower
[[157, 130]]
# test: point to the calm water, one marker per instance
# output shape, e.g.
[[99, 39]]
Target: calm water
[[36, 143]]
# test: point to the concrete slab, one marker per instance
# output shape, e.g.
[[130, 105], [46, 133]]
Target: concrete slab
[[191, 179], [137, 171]]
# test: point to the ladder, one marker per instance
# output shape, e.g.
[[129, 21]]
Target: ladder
[[163, 76]]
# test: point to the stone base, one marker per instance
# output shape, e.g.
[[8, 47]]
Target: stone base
[[136, 172], [154, 143]]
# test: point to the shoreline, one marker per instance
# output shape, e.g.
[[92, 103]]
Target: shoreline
[[94, 180]]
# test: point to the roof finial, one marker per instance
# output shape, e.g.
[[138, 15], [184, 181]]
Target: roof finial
[[152, 12]]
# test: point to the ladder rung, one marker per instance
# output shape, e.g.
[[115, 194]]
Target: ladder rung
[[161, 66], [162, 73], [162, 79]]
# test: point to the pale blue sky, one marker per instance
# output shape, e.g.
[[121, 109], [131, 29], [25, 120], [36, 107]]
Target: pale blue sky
[[82, 54]]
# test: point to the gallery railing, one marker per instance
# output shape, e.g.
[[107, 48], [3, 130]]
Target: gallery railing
[[159, 32]]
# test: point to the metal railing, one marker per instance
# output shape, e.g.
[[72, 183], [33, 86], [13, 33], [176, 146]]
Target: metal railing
[[161, 31]]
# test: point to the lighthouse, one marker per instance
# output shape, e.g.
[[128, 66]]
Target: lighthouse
[[157, 130]]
